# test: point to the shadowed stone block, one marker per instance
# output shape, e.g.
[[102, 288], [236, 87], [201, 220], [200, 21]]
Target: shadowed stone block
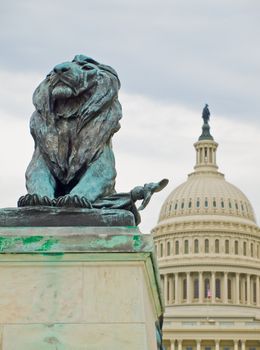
[[48, 216]]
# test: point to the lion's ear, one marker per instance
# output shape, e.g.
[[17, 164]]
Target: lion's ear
[[82, 59]]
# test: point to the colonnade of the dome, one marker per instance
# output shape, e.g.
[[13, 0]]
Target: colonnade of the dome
[[204, 286], [212, 344]]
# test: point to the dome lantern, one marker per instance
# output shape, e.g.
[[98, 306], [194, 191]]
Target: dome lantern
[[206, 147]]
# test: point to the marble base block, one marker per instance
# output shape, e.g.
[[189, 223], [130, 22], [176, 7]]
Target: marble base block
[[77, 288]]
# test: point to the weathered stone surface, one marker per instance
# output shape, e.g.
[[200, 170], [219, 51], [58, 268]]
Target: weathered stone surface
[[76, 337], [123, 286], [49, 216], [41, 293]]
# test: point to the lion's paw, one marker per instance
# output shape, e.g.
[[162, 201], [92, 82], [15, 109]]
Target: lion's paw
[[33, 200], [74, 201]]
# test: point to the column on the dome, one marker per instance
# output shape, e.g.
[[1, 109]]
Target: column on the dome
[[198, 344], [171, 289], [225, 299], [165, 288], [172, 345], [237, 288], [176, 287], [216, 344], [162, 284], [188, 285], [213, 286], [179, 344], [200, 157], [248, 281], [257, 291], [200, 287], [242, 282], [214, 156], [243, 345]]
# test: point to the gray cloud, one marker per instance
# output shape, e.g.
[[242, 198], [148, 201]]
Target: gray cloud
[[186, 52]]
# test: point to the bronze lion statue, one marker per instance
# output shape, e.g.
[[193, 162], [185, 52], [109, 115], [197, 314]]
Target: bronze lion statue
[[76, 114]]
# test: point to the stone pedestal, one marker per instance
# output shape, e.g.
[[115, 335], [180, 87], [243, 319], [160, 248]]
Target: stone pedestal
[[75, 288]]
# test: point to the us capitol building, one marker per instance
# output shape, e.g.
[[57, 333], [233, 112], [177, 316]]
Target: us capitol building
[[208, 248]]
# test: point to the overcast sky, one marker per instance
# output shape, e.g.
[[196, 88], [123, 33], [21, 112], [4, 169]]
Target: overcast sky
[[171, 57]]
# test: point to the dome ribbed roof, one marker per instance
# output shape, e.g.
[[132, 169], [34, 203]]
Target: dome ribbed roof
[[206, 194]]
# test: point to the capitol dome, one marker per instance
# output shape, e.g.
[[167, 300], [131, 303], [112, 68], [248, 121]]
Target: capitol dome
[[207, 245], [206, 192]]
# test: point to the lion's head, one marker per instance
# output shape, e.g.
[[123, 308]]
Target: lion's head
[[69, 85]]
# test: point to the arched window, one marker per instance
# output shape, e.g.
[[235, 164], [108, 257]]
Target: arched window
[[196, 289], [176, 206], [236, 247], [168, 248], [218, 288], [229, 204], [196, 246], [227, 246], [244, 248], [214, 203], [184, 289], [182, 205], [198, 203], [252, 249], [177, 247], [190, 203], [229, 289], [206, 203], [206, 288], [206, 246], [222, 204], [217, 246], [186, 246], [161, 250], [156, 250]]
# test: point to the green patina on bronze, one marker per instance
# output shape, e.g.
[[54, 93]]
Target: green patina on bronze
[[30, 243], [6, 242], [205, 128], [137, 242], [31, 239], [77, 112], [47, 245]]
